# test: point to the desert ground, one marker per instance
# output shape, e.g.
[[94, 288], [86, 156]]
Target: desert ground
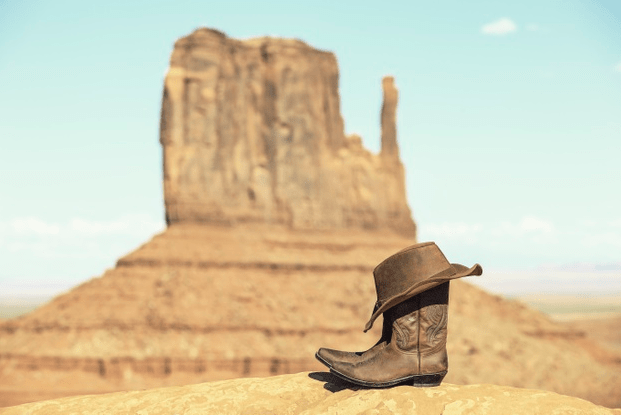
[[599, 314], [596, 318]]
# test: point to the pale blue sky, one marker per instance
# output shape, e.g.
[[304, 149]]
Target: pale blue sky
[[509, 123]]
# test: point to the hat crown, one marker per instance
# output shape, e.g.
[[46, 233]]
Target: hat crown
[[407, 267]]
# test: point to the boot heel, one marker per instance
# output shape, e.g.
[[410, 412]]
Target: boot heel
[[422, 381]]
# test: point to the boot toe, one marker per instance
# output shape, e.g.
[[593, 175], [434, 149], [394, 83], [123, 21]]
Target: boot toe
[[346, 371], [329, 356]]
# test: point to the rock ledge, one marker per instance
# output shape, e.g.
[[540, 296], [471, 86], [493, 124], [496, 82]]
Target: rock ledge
[[316, 393]]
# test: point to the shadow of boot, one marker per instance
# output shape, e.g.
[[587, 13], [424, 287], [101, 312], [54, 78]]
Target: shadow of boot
[[333, 383]]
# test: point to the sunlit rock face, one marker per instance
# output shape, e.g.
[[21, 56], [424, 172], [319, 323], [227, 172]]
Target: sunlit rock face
[[319, 393], [252, 132]]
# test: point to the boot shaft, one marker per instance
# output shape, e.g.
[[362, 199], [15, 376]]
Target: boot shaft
[[416, 352], [420, 327]]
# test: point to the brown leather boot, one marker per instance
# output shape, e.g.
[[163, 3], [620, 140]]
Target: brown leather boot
[[399, 279], [329, 356], [416, 353]]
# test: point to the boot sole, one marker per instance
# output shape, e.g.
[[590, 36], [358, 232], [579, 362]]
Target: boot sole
[[324, 362], [419, 381]]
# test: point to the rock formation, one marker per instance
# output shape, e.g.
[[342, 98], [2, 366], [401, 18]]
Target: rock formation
[[390, 148], [252, 132], [319, 393], [202, 301]]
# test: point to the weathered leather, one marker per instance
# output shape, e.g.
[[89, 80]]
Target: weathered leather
[[412, 294], [329, 356], [413, 270], [417, 346]]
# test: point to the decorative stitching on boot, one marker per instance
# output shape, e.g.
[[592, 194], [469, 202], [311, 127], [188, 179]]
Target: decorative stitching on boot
[[437, 314], [407, 332], [435, 349], [402, 336]]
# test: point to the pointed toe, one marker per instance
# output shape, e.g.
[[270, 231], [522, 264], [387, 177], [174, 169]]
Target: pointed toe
[[329, 356]]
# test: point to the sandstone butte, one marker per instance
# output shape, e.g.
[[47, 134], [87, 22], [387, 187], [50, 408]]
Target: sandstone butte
[[252, 132], [317, 393], [276, 220]]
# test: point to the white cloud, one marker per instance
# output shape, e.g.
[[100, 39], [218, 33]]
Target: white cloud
[[618, 67], [528, 225], [610, 239], [532, 224], [532, 27], [129, 224], [588, 222], [24, 226], [499, 27], [529, 228], [582, 267], [545, 281], [451, 231], [125, 225], [78, 238], [615, 223]]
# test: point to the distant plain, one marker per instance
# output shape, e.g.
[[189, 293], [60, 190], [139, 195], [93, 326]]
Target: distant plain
[[561, 307]]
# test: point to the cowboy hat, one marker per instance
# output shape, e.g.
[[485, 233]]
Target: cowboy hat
[[411, 271]]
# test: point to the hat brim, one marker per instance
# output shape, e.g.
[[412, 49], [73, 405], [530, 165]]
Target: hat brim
[[459, 271]]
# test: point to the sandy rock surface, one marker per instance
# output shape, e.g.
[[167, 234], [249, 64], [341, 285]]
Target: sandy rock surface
[[316, 393]]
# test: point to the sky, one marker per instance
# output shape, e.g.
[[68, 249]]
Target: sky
[[509, 125]]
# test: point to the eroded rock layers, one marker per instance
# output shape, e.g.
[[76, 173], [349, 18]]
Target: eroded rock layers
[[252, 132]]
